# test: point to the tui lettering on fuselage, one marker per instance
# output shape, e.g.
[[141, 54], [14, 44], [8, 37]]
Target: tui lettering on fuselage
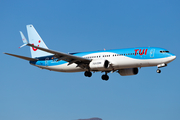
[[141, 51]]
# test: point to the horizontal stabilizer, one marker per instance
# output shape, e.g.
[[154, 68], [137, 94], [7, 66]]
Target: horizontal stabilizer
[[22, 57]]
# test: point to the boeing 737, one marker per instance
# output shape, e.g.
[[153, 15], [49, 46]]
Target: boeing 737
[[123, 61]]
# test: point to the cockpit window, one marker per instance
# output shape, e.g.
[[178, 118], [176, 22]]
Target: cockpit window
[[164, 51]]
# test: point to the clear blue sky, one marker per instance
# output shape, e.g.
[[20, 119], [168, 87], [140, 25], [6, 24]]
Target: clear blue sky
[[28, 93]]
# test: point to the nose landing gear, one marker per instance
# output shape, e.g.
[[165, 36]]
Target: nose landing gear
[[158, 70], [159, 66]]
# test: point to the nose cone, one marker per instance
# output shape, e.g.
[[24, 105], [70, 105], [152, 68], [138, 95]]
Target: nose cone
[[170, 59], [173, 57]]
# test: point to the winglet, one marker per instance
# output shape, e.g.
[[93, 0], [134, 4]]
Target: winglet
[[23, 39]]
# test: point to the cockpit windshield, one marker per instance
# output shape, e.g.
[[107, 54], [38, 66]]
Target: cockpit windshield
[[164, 51]]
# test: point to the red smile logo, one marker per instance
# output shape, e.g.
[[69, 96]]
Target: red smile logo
[[35, 49]]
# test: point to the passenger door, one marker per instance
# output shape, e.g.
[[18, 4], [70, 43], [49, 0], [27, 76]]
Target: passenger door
[[152, 53]]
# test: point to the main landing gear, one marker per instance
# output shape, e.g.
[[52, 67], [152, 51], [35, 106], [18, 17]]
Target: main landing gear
[[105, 77], [89, 74]]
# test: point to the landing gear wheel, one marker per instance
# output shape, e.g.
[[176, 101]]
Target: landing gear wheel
[[105, 77], [88, 74], [158, 71]]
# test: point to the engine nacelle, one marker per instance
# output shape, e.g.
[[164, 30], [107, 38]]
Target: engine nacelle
[[128, 71], [99, 64]]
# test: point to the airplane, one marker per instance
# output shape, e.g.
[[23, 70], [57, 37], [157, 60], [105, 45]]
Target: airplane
[[123, 61]]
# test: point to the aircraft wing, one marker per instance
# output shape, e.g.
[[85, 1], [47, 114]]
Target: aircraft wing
[[22, 57], [63, 56]]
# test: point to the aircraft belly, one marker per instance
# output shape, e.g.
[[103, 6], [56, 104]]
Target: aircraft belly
[[67, 68], [127, 62], [62, 68], [154, 62]]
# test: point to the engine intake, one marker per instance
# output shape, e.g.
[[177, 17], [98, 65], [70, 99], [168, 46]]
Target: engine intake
[[128, 71]]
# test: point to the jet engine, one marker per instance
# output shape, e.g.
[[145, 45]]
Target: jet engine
[[99, 64], [128, 71]]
